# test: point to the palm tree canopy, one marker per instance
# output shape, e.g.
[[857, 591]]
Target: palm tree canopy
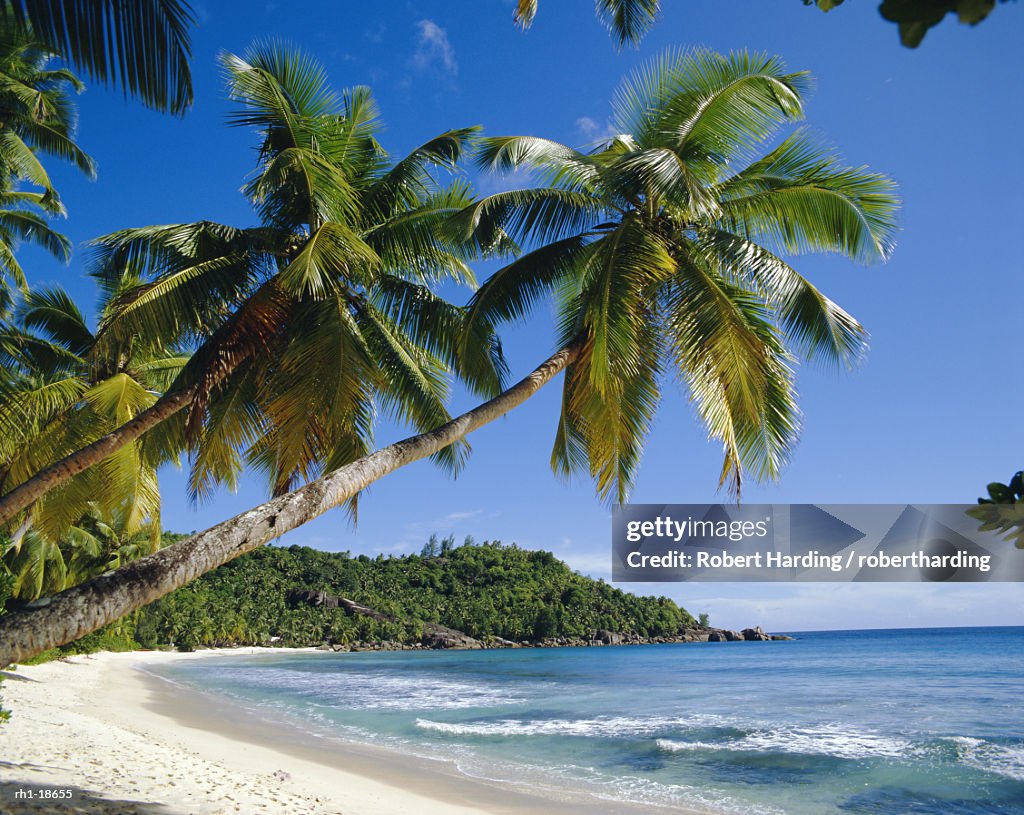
[[37, 117], [664, 249], [142, 46], [308, 324], [58, 392]]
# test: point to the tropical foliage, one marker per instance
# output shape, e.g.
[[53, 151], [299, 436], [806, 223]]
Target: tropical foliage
[[142, 46], [60, 389], [487, 590], [41, 565], [37, 117], [664, 249]]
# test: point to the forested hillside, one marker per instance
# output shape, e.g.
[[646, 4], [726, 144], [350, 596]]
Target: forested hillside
[[488, 591]]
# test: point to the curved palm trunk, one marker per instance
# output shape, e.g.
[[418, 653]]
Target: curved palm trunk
[[91, 605], [28, 492]]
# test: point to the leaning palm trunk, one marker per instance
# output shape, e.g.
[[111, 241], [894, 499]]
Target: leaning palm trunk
[[28, 492], [222, 355], [91, 605]]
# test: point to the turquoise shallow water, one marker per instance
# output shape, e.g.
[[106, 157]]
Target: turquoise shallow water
[[839, 723]]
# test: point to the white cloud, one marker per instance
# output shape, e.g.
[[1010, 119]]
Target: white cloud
[[434, 48], [592, 130], [462, 516]]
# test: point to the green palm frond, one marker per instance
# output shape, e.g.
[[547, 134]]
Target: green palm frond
[[415, 384], [410, 179], [814, 323], [233, 424], [23, 225], [628, 20], [539, 215], [803, 199], [55, 138], [142, 46], [660, 176], [120, 397], [54, 312], [434, 324], [21, 161], [334, 251], [556, 163], [729, 353], [510, 294], [278, 85]]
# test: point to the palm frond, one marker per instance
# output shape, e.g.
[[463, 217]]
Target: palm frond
[[814, 323], [142, 46], [803, 199], [54, 312], [333, 253], [628, 20]]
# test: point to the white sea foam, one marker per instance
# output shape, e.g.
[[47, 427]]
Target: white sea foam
[[989, 757], [825, 740], [372, 690], [602, 727]]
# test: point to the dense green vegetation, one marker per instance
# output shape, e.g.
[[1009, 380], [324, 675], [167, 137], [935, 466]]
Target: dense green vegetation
[[487, 590]]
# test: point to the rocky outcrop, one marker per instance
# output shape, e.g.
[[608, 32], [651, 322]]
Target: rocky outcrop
[[299, 597], [437, 636], [434, 635]]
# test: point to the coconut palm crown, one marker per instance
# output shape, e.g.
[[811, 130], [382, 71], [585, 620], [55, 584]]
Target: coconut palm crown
[[664, 248], [309, 323]]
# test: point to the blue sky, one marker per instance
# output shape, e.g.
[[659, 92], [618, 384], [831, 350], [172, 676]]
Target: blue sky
[[931, 416]]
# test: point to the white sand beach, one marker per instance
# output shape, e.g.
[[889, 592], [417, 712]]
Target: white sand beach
[[124, 745]]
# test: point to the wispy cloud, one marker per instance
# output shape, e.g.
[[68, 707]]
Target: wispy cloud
[[491, 183], [375, 34], [462, 516], [592, 130], [434, 49]]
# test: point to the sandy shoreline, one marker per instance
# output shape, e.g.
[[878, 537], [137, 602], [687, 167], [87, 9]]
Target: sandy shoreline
[[124, 742]]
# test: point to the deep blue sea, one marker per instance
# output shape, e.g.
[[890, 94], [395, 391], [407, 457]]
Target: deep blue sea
[[927, 721]]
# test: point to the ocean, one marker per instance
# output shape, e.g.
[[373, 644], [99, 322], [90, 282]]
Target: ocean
[[925, 721]]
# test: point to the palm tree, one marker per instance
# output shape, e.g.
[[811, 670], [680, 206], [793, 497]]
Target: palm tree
[[304, 324], [36, 117], [663, 246], [142, 45], [654, 245]]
